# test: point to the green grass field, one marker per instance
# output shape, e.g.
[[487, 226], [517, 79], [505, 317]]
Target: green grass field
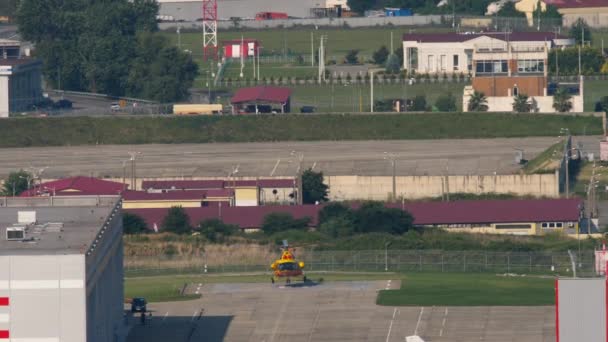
[[167, 288], [594, 91], [429, 289]]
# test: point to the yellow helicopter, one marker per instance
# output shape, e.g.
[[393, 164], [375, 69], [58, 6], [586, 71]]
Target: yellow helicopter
[[287, 267]]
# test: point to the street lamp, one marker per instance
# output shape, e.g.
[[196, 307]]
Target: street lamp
[[391, 157], [300, 158], [133, 169], [386, 244]]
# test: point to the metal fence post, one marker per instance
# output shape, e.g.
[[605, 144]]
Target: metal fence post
[[530, 263], [442, 262], [465, 262], [508, 264]]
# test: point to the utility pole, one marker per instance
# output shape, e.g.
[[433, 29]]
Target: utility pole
[[371, 96], [312, 49], [300, 158], [124, 173], [392, 157], [242, 50], [133, 168], [447, 180]]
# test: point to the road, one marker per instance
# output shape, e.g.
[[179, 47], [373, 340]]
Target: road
[[413, 157], [333, 311]]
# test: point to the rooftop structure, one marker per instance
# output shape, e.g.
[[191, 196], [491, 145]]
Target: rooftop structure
[[61, 269]]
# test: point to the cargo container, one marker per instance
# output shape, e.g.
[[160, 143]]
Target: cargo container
[[194, 109], [270, 15]]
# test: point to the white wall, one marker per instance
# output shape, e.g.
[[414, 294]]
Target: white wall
[[4, 96]]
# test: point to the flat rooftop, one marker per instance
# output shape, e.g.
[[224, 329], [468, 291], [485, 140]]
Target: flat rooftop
[[63, 226]]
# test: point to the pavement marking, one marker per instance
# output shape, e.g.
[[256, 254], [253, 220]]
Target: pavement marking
[[418, 323], [314, 323], [198, 288], [445, 317], [277, 323], [388, 285], [390, 327], [165, 316], [275, 166], [194, 315]]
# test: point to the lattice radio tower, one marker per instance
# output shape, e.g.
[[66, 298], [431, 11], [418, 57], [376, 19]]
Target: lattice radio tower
[[210, 29]]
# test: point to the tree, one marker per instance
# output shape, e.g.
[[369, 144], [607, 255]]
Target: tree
[[133, 224], [446, 103], [177, 221], [552, 14], [379, 56], [278, 222], [313, 188], [159, 71], [16, 183], [8, 7], [419, 103], [392, 64], [521, 104], [508, 10], [375, 217], [399, 53], [334, 210], [579, 31], [216, 230], [602, 105], [562, 101], [359, 6], [338, 227], [478, 102], [352, 57], [591, 60]]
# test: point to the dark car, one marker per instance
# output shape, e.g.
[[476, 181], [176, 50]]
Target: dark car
[[307, 109], [63, 104], [138, 304]]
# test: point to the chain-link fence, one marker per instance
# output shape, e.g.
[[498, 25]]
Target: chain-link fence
[[556, 263]]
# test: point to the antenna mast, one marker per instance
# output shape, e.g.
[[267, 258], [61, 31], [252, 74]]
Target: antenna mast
[[210, 29]]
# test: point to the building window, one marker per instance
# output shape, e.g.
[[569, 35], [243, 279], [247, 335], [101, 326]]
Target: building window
[[530, 65], [552, 225], [559, 225], [491, 67], [431, 63], [515, 91], [545, 225], [469, 53], [455, 62], [412, 58], [513, 226], [443, 63]]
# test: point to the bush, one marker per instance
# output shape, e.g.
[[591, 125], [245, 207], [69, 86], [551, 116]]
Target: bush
[[216, 231], [334, 210], [133, 224], [337, 227], [419, 103], [375, 217], [177, 221], [278, 222], [446, 103]]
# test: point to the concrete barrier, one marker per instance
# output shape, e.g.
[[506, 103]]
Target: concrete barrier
[[418, 187]]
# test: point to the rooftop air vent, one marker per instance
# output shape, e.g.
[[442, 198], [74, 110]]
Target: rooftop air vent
[[15, 233]]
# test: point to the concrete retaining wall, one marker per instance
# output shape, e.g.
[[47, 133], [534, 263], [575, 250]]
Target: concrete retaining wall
[[417, 187]]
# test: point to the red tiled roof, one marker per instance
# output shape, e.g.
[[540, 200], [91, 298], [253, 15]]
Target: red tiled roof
[[244, 217], [503, 211], [452, 37], [216, 184], [424, 213], [577, 3], [175, 195], [81, 185], [183, 184], [262, 93]]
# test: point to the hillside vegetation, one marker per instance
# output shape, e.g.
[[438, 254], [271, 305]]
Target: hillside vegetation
[[22, 132]]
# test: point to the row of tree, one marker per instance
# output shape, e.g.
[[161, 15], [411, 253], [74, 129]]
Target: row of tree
[[109, 47], [522, 103], [335, 220]]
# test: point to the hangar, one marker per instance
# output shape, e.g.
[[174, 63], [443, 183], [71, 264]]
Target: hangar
[[261, 99]]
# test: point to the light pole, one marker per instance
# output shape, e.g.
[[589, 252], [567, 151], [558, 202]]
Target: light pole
[[300, 158], [124, 173], [391, 157], [567, 158], [386, 244], [179, 38]]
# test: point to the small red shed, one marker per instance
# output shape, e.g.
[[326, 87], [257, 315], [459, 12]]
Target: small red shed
[[237, 47]]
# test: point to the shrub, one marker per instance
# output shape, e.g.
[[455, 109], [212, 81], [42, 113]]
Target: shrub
[[446, 103]]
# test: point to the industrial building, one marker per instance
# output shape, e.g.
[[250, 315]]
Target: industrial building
[[61, 269], [261, 99], [516, 217], [20, 79]]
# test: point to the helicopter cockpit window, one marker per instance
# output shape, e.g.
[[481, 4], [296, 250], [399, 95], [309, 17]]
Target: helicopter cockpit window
[[289, 266]]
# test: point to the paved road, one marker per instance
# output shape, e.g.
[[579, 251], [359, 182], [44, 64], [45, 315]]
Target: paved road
[[414, 157], [333, 311]]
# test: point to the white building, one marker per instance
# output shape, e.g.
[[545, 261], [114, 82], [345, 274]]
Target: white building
[[61, 269], [452, 53]]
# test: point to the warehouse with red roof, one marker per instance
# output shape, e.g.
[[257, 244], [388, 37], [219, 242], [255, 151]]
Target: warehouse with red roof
[[75, 186], [519, 217], [261, 99]]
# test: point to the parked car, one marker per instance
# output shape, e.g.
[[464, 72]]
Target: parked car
[[63, 104], [138, 304], [307, 109], [115, 106]]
